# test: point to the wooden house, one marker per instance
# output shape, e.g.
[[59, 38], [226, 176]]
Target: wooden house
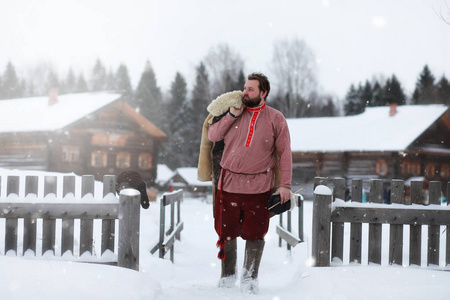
[[382, 142], [186, 179], [87, 133]]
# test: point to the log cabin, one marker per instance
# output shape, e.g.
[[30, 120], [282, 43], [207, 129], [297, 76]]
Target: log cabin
[[86, 133], [389, 142]]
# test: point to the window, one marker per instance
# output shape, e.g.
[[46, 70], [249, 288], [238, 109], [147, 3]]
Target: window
[[145, 161], [405, 168], [445, 171], [382, 167], [415, 168], [99, 159], [70, 154], [429, 169], [123, 160]]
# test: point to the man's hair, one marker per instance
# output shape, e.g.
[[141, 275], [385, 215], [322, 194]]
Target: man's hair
[[264, 84]]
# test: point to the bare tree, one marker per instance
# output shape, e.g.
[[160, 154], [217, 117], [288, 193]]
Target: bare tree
[[225, 66], [444, 12], [295, 69]]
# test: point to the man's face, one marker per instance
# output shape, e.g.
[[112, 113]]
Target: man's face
[[253, 97]]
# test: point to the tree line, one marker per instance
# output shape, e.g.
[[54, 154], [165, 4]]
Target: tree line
[[180, 112], [428, 90]]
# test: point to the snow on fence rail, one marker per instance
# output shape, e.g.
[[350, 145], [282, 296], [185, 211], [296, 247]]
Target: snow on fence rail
[[43, 224], [330, 213], [167, 238]]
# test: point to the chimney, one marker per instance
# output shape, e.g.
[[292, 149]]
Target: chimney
[[392, 109], [52, 96]]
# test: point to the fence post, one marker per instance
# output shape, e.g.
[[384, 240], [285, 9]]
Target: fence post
[[129, 218], [337, 246], [433, 230], [321, 226]]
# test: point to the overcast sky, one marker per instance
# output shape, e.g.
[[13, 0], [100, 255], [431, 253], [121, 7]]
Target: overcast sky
[[352, 40]]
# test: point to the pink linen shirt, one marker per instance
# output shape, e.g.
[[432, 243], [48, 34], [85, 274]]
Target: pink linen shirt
[[249, 169]]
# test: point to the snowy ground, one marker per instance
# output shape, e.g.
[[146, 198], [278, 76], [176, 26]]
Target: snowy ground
[[194, 274]]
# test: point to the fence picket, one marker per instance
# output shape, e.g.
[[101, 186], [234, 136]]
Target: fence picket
[[415, 230], [356, 228], [375, 196], [396, 230], [29, 223], [447, 257], [49, 225], [337, 249], [433, 230], [68, 224], [11, 223], [108, 226], [86, 225]]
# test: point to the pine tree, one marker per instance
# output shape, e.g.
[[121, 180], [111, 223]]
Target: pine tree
[[110, 80], [148, 98], [367, 93], [393, 92], [353, 103], [197, 113], [443, 91], [377, 95], [174, 153], [81, 86], [52, 81], [70, 82], [98, 81], [11, 85], [425, 91], [123, 84]]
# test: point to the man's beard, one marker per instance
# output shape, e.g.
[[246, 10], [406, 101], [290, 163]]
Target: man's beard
[[251, 102]]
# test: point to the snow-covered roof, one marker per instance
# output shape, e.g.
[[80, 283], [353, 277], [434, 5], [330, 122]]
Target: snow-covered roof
[[34, 114], [163, 174], [373, 130], [190, 176]]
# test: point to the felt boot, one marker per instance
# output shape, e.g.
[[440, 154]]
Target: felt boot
[[228, 276], [252, 260]]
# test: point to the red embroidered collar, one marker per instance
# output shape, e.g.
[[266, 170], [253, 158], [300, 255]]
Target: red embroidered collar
[[251, 128]]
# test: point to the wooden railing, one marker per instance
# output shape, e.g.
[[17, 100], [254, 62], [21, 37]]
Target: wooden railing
[[330, 212], [40, 214], [285, 232], [167, 238]]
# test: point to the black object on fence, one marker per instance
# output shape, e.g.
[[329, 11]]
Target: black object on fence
[[167, 238], [330, 215]]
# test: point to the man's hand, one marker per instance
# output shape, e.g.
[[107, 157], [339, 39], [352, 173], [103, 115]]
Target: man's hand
[[235, 111], [285, 193]]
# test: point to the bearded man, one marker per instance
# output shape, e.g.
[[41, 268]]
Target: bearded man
[[254, 136]]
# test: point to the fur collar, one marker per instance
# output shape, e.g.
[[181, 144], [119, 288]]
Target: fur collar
[[221, 104]]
